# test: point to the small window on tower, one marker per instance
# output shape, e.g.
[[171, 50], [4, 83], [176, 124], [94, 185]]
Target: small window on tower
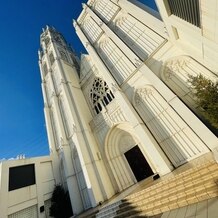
[[47, 40], [51, 57], [45, 69], [63, 55]]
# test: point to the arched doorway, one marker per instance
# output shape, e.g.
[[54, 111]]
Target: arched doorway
[[126, 157], [138, 163]]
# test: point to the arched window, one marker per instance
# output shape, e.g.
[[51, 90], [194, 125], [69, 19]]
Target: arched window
[[100, 95]]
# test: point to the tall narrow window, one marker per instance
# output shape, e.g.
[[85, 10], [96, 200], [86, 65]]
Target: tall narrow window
[[54, 130], [139, 37], [63, 55], [100, 95], [51, 58], [45, 69], [92, 29], [116, 60], [187, 10], [47, 41], [65, 118]]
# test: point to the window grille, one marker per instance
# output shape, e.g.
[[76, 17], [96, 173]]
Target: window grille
[[100, 95], [187, 10], [30, 212]]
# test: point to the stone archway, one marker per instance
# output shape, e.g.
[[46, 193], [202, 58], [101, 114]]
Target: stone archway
[[120, 140]]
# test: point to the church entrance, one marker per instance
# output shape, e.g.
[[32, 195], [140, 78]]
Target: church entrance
[[138, 163]]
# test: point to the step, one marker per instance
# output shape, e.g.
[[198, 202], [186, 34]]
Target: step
[[172, 184], [172, 194], [109, 210], [193, 185], [162, 208], [203, 188], [182, 189], [125, 214], [171, 203]]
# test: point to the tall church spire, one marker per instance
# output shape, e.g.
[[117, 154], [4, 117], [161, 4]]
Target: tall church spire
[[60, 82]]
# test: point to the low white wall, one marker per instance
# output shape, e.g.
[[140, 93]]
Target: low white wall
[[28, 198]]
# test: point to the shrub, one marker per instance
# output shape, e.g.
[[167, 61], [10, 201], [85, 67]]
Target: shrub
[[60, 203], [206, 93]]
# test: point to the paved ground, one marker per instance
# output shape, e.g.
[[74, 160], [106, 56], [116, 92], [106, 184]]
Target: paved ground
[[203, 209]]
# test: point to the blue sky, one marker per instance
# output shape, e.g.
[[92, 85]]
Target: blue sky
[[22, 124]]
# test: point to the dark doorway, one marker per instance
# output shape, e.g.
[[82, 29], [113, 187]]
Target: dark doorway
[[138, 163]]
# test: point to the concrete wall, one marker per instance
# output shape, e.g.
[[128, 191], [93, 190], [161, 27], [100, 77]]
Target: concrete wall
[[27, 200]]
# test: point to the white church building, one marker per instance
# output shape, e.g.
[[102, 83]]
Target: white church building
[[125, 111]]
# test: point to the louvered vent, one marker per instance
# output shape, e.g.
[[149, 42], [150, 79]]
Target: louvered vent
[[187, 10]]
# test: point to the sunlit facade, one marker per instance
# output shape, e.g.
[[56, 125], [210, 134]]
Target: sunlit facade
[[123, 112]]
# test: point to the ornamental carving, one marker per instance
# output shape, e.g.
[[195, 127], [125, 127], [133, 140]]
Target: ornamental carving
[[175, 66], [117, 116], [120, 21], [142, 94]]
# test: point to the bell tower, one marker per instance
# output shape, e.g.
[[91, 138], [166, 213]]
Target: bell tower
[[59, 70], [58, 67], [72, 144]]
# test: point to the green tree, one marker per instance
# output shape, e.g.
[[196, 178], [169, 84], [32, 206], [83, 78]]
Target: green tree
[[206, 93], [60, 203]]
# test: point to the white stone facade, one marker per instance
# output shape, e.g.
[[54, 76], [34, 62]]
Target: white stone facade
[[130, 94]]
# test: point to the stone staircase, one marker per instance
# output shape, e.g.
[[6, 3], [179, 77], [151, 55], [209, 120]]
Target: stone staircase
[[191, 183]]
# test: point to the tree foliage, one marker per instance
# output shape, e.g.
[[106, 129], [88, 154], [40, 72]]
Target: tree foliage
[[206, 93], [60, 203]]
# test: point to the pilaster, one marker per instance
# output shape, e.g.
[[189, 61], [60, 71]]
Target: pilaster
[[128, 52], [149, 17]]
